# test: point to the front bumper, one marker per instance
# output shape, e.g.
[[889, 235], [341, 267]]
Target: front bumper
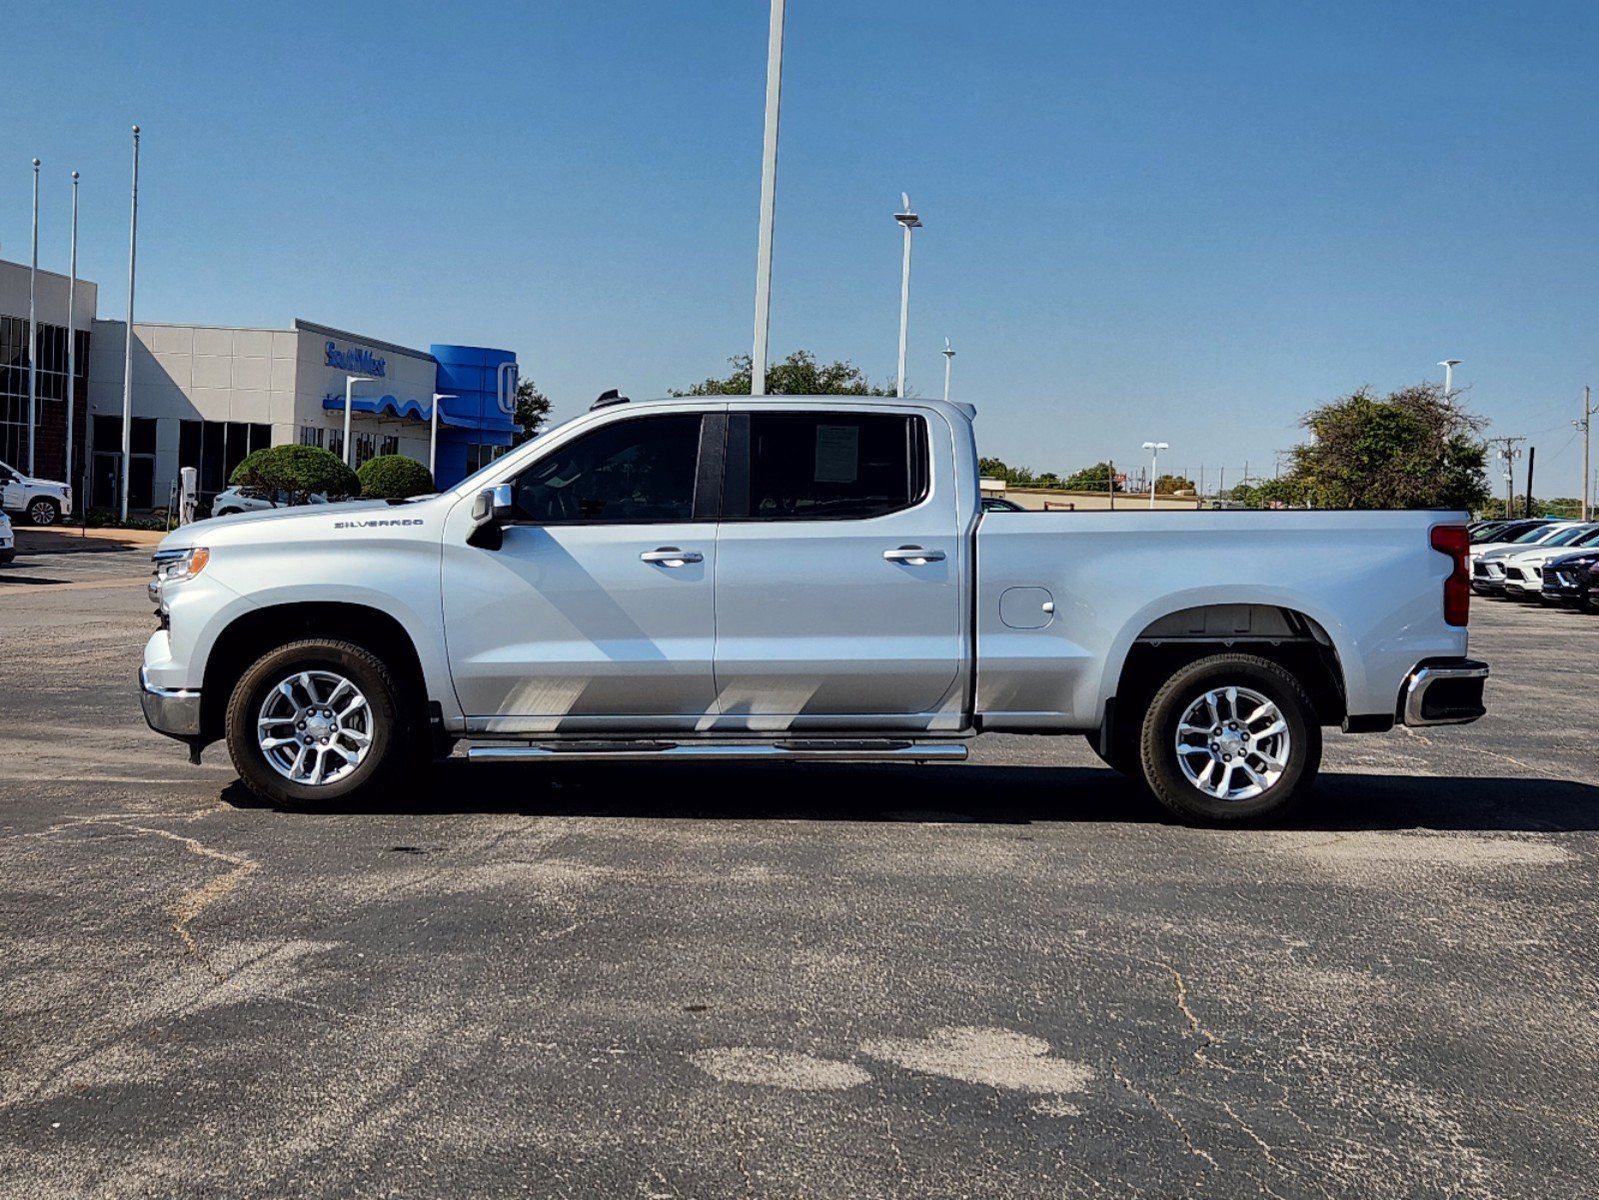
[[1443, 691], [172, 711]]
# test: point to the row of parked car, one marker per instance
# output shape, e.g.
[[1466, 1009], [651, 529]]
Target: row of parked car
[[1537, 558]]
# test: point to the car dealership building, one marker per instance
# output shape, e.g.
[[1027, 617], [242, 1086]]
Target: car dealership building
[[205, 396]]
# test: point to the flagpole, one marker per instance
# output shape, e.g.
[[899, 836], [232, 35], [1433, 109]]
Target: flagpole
[[127, 342], [72, 335], [33, 326]]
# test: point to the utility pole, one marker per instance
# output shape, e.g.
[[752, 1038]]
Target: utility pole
[[1532, 457], [949, 366], [1509, 452], [1585, 425]]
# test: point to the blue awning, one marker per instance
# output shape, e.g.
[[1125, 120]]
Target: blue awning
[[393, 406]]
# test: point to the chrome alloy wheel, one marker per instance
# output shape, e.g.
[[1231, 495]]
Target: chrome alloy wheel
[[1233, 743], [315, 727]]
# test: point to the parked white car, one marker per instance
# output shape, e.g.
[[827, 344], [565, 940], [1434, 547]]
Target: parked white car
[[793, 578], [1523, 569], [8, 539], [1488, 560], [238, 500], [39, 501]]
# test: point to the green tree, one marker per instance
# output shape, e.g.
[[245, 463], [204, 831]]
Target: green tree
[[1409, 449], [797, 375], [1096, 478], [532, 411], [394, 477], [1170, 485], [1270, 493], [297, 473]]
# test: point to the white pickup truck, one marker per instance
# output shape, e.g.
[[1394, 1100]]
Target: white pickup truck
[[797, 578]]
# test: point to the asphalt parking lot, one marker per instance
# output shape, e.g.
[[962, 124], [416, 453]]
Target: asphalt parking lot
[[1010, 978]]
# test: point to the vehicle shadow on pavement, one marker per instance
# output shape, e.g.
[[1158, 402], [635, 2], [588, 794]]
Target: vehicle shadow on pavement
[[977, 794]]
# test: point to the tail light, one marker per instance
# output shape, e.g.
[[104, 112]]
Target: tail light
[[1455, 541]]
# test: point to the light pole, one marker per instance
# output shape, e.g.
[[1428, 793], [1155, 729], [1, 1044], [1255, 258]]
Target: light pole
[[1154, 449], [763, 255], [33, 334], [908, 221], [1449, 365], [949, 364], [433, 433], [72, 335], [349, 385], [127, 341]]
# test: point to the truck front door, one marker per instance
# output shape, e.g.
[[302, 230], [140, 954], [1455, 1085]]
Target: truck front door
[[839, 571], [597, 611]]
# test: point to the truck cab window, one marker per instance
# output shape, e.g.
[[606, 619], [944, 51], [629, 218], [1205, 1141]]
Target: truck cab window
[[629, 472], [834, 466]]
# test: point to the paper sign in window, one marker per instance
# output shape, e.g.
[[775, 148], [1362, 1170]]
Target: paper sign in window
[[838, 453]]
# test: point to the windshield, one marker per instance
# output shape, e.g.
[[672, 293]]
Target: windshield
[[1538, 536], [1567, 536]]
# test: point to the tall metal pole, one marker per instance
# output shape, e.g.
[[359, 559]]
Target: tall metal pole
[[1154, 449], [433, 435], [349, 383], [33, 328], [908, 221], [949, 364], [127, 343], [72, 336], [1585, 426], [1449, 365], [763, 257]]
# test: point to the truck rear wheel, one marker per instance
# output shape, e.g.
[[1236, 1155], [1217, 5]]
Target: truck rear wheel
[[1230, 738], [319, 720]]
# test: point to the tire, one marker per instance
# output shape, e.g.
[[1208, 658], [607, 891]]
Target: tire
[[7, 556], [42, 510], [395, 739], [1269, 683]]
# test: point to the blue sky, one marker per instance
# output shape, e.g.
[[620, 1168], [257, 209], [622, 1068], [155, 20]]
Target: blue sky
[[1183, 221]]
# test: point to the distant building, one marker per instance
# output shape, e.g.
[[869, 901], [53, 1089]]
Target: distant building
[[50, 409], [205, 396]]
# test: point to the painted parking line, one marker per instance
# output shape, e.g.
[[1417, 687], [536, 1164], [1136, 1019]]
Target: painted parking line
[[33, 589]]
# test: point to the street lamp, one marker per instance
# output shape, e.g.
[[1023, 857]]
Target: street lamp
[[433, 433], [908, 220], [1449, 365], [1154, 449], [349, 385], [949, 363]]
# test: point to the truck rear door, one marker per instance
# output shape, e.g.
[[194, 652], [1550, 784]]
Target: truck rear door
[[839, 569]]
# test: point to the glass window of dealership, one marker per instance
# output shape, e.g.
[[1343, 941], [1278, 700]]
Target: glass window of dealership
[[205, 396]]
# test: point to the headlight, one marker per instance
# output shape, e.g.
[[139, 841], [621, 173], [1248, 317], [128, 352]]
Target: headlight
[[174, 566]]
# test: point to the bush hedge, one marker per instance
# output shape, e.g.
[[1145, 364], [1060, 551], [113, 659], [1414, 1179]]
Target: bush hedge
[[394, 477], [299, 471]]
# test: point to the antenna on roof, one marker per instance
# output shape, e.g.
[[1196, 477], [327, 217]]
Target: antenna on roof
[[607, 399]]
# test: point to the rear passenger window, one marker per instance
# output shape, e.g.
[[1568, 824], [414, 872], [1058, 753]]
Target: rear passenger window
[[834, 466]]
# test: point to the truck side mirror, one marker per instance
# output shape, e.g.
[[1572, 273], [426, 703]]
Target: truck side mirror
[[492, 509]]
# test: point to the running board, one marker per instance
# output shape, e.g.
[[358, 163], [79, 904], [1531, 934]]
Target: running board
[[814, 751]]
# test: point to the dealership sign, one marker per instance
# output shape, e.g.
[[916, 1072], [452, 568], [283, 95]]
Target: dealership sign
[[363, 362]]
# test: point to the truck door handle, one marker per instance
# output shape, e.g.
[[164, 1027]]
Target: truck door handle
[[914, 555], [671, 556]]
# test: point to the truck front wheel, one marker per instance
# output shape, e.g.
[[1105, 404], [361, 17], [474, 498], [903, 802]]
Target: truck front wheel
[[1230, 738], [318, 720]]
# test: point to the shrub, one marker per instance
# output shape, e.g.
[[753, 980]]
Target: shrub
[[394, 477], [299, 472]]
